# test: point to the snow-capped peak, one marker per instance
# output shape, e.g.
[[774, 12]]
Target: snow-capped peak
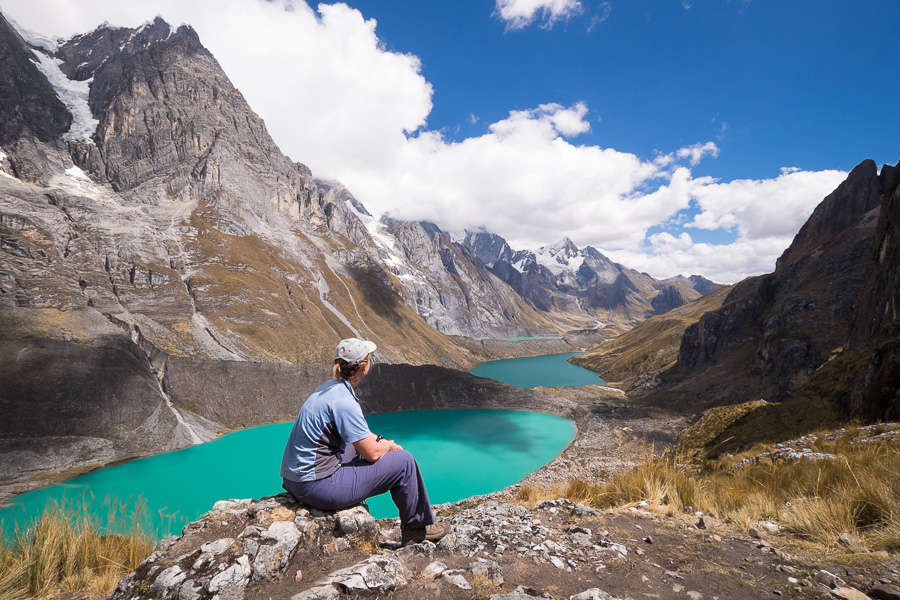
[[564, 247], [559, 257]]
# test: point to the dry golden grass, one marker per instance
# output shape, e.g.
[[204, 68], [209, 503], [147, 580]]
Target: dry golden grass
[[858, 492], [64, 553], [483, 588]]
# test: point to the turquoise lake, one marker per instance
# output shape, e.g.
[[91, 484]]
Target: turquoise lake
[[461, 453], [550, 370]]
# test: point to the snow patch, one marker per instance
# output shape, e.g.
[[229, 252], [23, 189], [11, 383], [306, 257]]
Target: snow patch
[[77, 173], [412, 278], [32, 38], [74, 94], [3, 160], [519, 265], [76, 182], [458, 237], [556, 258]]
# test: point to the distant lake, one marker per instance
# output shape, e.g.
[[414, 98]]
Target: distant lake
[[549, 370], [461, 453]]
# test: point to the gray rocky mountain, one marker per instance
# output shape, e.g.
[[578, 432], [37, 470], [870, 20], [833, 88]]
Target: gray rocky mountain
[[697, 282], [784, 334]]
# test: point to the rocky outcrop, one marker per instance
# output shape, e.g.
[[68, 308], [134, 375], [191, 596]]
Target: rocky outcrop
[[297, 552], [773, 331], [278, 549]]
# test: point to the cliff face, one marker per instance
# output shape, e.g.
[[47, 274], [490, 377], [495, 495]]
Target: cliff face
[[27, 101], [774, 331], [867, 374]]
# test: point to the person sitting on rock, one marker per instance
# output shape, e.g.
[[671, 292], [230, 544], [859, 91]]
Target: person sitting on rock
[[333, 461]]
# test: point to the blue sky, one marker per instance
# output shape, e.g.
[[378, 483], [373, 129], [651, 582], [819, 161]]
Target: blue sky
[[676, 136], [801, 84]]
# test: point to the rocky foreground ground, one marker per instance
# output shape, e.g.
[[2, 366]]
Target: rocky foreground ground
[[276, 549], [498, 549]]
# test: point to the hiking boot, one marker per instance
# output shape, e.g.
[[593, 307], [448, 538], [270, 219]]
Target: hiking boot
[[414, 535]]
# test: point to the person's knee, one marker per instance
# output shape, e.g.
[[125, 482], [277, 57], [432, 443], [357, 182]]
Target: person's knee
[[402, 461], [403, 457]]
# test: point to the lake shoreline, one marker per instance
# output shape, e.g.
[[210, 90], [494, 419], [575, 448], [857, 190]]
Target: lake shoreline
[[609, 433], [600, 414]]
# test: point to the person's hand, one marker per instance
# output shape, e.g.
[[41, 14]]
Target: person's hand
[[394, 446]]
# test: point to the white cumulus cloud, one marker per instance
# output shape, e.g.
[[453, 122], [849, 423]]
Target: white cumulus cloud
[[334, 98], [698, 151], [764, 214], [767, 208]]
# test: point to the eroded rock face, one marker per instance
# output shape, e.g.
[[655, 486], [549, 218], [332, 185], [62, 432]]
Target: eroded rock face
[[876, 324], [27, 95]]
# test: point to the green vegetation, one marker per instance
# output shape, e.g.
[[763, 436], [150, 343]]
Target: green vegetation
[[64, 553], [738, 427]]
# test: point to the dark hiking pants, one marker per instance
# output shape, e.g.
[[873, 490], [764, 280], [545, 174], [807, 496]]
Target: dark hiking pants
[[358, 479]]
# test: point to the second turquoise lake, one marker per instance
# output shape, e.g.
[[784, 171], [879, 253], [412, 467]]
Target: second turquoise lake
[[550, 370]]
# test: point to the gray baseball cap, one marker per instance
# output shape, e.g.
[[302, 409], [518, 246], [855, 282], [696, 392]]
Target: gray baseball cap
[[354, 350]]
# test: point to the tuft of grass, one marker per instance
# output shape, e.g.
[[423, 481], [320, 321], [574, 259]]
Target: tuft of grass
[[367, 546], [532, 495], [483, 587], [63, 552]]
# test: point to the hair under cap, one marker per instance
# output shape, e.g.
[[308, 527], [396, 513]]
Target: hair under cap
[[354, 350]]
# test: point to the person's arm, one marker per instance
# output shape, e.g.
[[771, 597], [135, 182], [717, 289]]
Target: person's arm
[[372, 448]]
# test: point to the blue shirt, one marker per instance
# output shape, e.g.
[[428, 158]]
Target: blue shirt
[[329, 420]]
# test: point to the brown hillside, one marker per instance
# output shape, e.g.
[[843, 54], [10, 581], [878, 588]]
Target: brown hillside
[[653, 345]]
